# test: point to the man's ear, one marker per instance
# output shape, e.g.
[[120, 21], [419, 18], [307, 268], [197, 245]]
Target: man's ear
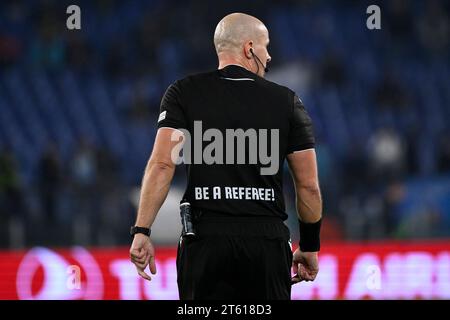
[[248, 47]]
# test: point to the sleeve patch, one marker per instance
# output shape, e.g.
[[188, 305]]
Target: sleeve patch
[[162, 116]]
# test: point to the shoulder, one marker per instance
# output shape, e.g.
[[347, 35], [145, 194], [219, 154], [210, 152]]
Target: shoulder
[[274, 85], [195, 78], [280, 91]]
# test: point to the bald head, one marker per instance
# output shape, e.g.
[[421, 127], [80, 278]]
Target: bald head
[[235, 29]]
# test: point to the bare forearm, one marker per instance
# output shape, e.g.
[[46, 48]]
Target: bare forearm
[[309, 204], [155, 187]]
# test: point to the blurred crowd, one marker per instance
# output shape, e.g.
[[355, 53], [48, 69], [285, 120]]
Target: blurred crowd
[[80, 202], [82, 196]]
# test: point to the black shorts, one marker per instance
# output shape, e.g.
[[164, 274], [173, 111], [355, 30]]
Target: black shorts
[[236, 258]]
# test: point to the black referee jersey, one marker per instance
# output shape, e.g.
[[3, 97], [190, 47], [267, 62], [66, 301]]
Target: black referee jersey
[[235, 99]]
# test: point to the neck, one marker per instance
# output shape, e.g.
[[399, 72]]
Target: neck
[[226, 61]]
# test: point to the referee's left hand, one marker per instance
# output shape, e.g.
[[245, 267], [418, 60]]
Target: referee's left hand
[[142, 253], [305, 265]]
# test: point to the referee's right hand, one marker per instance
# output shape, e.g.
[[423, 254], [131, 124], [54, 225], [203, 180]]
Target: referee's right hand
[[142, 254], [305, 265]]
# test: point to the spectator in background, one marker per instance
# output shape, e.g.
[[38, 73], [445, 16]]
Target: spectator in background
[[48, 47], [387, 155], [83, 166], [355, 169], [50, 182], [11, 202], [108, 215], [45, 228], [84, 174], [107, 168], [394, 195], [114, 208]]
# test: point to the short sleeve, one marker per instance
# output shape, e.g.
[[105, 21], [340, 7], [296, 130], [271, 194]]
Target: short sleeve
[[301, 135], [171, 113]]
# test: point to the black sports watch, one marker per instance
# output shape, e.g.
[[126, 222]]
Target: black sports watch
[[135, 229]]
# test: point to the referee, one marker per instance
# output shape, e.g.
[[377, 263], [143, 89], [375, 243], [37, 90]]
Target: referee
[[236, 129]]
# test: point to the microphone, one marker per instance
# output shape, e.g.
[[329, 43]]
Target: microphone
[[266, 69]]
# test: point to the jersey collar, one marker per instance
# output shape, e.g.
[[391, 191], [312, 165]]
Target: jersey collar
[[235, 71]]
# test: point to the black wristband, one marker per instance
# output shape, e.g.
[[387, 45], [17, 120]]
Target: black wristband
[[135, 229], [309, 236]]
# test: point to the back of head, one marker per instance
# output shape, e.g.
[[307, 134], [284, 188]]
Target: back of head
[[234, 30], [241, 39]]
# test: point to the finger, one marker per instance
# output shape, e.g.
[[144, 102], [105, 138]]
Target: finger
[[141, 265], [312, 274], [141, 253], [143, 274], [308, 276], [138, 260], [152, 265], [137, 254], [302, 272]]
